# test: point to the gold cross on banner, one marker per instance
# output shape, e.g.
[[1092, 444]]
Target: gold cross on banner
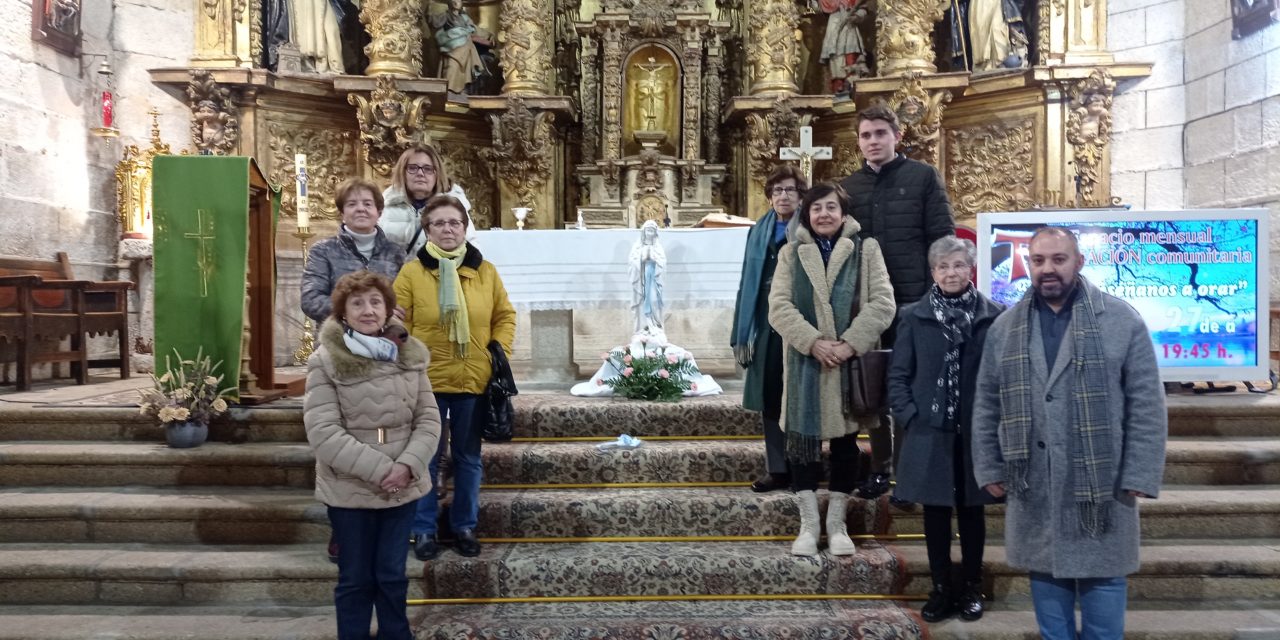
[[806, 153], [204, 254]]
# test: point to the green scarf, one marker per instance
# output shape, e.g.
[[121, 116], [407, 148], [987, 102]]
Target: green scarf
[[453, 304], [1090, 437]]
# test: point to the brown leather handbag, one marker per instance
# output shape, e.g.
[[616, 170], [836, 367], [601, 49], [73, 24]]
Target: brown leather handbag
[[866, 377]]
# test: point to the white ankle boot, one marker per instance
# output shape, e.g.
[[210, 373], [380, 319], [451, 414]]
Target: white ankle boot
[[838, 541], [806, 543]]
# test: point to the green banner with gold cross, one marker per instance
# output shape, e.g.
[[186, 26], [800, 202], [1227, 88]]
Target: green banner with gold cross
[[200, 206]]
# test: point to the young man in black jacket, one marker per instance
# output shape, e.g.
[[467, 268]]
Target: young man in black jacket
[[903, 204]]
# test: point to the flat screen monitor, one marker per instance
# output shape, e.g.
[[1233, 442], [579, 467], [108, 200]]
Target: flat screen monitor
[[1199, 279]]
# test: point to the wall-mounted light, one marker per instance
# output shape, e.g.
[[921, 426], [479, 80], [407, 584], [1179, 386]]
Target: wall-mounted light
[[107, 107]]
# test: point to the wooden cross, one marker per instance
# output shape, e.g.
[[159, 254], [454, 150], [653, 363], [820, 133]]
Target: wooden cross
[[806, 153], [204, 254]]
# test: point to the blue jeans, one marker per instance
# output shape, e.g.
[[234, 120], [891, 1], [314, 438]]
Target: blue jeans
[[371, 571], [464, 445], [1102, 606]]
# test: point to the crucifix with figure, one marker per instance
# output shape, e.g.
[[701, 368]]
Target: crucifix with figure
[[806, 153]]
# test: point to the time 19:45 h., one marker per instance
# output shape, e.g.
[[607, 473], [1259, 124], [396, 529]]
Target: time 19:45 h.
[[1202, 350]]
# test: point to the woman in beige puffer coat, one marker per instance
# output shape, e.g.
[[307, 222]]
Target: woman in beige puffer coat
[[372, 422]]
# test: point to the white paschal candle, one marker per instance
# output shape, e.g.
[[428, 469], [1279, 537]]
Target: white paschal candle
[[300, 166]]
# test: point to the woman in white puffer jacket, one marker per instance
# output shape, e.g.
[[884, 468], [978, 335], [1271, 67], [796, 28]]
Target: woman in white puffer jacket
[[419, 174]]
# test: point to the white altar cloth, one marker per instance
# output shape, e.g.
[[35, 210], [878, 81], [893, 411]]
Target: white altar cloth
[[587, 269]]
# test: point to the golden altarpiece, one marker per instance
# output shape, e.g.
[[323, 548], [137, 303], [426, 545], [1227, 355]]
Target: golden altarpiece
[[619, 111]]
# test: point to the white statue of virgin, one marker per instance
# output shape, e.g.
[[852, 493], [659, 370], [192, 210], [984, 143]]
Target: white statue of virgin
[[646, 265]]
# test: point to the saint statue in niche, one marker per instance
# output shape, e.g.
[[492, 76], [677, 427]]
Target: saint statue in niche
[[987, 35], [842, 47], [646, 266], [457, 36]]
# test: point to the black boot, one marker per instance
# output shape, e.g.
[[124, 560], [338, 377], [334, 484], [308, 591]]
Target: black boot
[[970, 601], [940, 605]]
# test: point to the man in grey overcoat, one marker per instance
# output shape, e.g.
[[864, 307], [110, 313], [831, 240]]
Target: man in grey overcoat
[[1069, 421]]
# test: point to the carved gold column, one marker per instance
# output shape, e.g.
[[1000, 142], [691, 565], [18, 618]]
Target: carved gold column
[[611, 107], [904, 43], [1088, 130], [225, 32], [773, 52], [396, 46], [525, 46]]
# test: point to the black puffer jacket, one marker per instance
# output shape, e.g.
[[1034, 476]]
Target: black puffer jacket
[[905, 208]]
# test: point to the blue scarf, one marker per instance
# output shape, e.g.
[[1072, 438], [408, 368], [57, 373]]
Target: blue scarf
[[743, 336]]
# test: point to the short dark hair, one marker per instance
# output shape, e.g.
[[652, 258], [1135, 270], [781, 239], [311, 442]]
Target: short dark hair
[[350, 185], [440, 201], [1056, 231], [360, 282], [783, 172], [879, 110], [818, 192]]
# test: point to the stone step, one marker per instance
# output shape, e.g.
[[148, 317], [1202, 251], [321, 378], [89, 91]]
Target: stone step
[[1182, 511], [300, 575], [57, 463], [1244, 415], [626, 621], [697, 512]]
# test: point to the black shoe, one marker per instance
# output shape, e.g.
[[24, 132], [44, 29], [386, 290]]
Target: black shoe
[[425, 547], [466, 544], [940, 605], [970, 601], [771, 482], [875, 486], [333, 550], [905, 505]]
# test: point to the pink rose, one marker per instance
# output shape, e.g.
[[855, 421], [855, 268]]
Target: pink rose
[[650, 354], [693, 386], [626, 359], [672, 359], [626, 373], [664, 374]]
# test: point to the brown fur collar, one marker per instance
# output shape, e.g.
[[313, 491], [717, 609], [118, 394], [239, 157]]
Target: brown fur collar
[[347, 366]]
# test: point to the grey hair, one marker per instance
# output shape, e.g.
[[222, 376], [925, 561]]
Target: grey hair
[[947, 245]]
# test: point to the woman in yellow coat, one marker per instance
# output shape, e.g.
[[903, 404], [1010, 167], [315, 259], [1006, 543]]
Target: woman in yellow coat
[[455, 303]]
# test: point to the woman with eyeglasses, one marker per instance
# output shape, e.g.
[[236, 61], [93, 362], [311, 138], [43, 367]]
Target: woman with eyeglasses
[[454, 302], [419, 174]]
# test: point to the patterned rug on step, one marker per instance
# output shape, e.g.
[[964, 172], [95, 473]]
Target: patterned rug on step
[[719, 620]]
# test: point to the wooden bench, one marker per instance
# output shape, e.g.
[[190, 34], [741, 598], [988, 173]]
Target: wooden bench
[[41, 302]]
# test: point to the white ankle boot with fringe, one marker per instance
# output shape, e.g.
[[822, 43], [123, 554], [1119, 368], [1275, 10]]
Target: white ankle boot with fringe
[[806, 543], [838, 541]]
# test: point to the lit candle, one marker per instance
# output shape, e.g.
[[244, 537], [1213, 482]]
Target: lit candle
[[300, 166], [108, 110]]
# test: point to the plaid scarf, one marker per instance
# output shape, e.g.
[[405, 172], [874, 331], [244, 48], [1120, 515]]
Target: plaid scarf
[[955, 314], [1090, 437]]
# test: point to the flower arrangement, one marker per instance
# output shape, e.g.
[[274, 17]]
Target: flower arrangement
[[649, 373], [189, 392]]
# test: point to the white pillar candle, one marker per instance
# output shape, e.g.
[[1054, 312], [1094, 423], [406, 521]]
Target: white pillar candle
[[303, 213]]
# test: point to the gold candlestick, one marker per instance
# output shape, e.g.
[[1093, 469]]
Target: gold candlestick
[[308, 342]]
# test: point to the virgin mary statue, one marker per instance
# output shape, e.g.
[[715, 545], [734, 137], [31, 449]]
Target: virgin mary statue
[[646, 265]]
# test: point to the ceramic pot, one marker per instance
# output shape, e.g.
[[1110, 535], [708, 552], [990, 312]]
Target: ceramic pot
[[185, 435]]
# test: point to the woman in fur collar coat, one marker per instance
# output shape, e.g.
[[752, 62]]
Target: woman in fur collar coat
[[372, 424], [825, 269]]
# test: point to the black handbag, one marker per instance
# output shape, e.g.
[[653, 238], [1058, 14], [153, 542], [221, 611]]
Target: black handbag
[[497, 412], [866, 375]]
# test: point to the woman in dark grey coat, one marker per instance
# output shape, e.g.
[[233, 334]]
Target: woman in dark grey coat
[[931, 389]]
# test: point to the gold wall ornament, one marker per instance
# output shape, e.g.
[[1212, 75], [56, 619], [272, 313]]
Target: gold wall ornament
[[468, 168], [331, 158], [133, 183], [389, 121], [773, 46], [224, 32], [522, 150], [611, 99], [590, 99], [525, 45], [920, 114], [766, 132], [215, 119], [395, 30], [991, 167], [1089, 132], [846, 159], [904, 42]]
